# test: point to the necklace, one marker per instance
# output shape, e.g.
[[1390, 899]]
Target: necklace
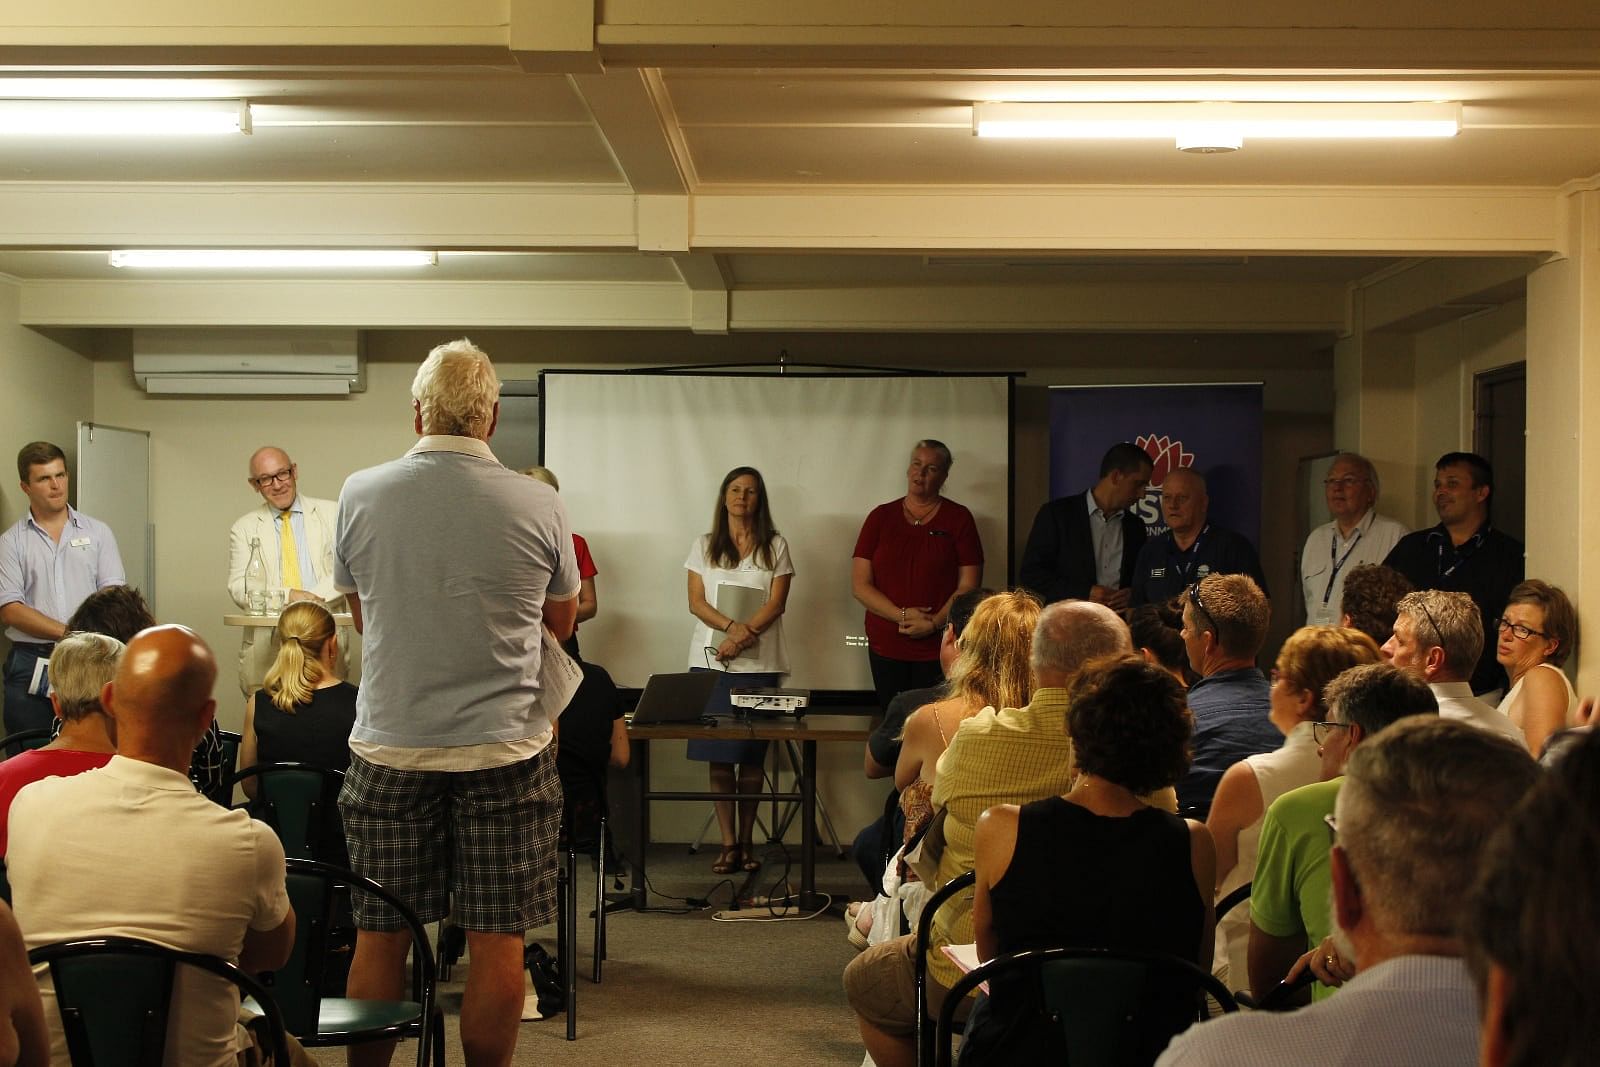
[[916, 519]]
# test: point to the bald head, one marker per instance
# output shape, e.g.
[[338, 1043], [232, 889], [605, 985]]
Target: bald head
[[161, 695], [1183, 501], [1072, 632], [273, 474]]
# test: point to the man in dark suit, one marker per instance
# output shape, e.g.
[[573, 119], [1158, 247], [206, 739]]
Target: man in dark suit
[[1083, 546]]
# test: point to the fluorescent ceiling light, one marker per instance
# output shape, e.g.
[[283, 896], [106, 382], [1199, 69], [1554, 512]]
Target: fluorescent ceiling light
[[267, 258], [1223, 125], [123, 118]]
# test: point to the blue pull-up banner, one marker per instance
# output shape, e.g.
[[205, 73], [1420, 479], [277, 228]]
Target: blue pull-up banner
[[1216, 429]]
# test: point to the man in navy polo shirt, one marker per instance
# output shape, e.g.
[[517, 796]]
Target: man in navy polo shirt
[[1192, 547]]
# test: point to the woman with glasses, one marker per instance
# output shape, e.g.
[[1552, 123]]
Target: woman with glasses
[[738, 586], [1537, 632], [1312, 657]]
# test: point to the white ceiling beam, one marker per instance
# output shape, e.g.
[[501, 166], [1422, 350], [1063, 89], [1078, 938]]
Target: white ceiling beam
[[363, 304], [635, 115], [549, 36], [441, 217], [704, 273], [1146, 308], [1439, 284], [1385, 221]]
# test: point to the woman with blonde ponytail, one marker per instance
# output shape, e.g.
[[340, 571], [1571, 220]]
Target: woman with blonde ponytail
[[303, 711]]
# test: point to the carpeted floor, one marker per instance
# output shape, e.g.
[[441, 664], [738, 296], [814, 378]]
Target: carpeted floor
[[686, 989]]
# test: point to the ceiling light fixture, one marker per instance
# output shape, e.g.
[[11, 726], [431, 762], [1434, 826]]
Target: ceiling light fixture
[[123, 118], [1205, 126], [267, 258]]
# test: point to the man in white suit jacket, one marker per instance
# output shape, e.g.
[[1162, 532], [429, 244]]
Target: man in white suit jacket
[[273, 474]]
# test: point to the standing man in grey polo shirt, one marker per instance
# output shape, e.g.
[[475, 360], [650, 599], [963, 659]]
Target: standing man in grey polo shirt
[[452, 564], [50, 561]]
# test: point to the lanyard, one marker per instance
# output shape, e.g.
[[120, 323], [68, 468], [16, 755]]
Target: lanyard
[[1461, 553], [1333, 540], [1192, 554]]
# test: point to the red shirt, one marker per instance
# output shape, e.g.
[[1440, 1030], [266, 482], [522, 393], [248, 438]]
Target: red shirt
[[25, 768], [580, 548], [915, 567]]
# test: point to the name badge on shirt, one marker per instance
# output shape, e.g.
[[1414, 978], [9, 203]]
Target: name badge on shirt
[[1158, 572], [79, 542]]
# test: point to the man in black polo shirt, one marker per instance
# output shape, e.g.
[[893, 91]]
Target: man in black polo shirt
[[1192, 547], [1464, 554]]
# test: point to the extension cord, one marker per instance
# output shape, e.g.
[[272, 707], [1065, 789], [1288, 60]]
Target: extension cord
[[756, 913]]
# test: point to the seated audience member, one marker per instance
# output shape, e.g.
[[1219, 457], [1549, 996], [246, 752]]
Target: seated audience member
[[1533, 919], [304, 711], [1438, 636], [1537, 632], [24, 1040], [991, 671], [1157, 631], [1418, 805], [1010, 756], [80, 666], [1096, 868], [1225, 620], [131, 849], [120, 612], [1311, 658], [878, 840], [591, 736], [1289, 894], [1371, 592]]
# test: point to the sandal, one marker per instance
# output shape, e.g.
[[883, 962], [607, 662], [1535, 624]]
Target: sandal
[[727, 861], [751, 863]]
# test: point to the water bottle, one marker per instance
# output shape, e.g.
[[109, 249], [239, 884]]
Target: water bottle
[[255, 580]]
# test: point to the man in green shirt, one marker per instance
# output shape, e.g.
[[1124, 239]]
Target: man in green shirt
[[1290, 892]]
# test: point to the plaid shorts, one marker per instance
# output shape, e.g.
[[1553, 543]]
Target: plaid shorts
[[488, 837]]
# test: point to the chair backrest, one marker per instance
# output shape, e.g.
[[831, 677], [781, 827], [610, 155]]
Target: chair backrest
[[1233, 900], [229, 742], [23, 740], [115, 996], [961, 882], [1113, 1007], [300, 802], [297, 985]]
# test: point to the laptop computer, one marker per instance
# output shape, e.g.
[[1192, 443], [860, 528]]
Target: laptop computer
[[677, 697]]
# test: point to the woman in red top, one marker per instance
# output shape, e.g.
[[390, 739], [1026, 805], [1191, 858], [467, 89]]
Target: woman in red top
[[913, 556]]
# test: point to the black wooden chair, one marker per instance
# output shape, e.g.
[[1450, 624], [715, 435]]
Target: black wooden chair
[[1113, 1007], [925, 1028], [115, 997], [297, 986]]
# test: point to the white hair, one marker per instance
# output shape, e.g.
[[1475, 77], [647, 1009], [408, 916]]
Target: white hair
[[456, 390]]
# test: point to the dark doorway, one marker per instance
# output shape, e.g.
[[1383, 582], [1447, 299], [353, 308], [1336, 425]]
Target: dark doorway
[[1500, 407]]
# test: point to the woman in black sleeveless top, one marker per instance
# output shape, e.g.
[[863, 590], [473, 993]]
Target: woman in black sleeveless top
[[1096, 868]]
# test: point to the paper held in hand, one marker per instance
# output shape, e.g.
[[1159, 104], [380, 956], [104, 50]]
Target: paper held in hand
[[559, 675]]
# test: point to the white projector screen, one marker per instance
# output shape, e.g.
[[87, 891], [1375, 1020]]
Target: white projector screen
[[641, 456]]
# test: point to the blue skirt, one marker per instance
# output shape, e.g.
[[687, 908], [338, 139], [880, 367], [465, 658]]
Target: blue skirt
[[709, 750]]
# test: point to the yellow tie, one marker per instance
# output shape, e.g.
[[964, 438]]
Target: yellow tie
[[291, 555]]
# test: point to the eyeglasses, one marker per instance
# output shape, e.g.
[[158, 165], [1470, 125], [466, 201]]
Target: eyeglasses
[[1519, 631], [262, 481], [1426, 614], [1321, 731], [1194, 598], [1333, 827]]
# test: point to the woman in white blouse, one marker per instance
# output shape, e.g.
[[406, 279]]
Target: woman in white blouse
[[1536, 634], [738, 585]]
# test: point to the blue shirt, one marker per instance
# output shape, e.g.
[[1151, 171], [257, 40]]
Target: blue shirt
[[54, 577], [452, 556], [1231, 710], [1164, 570]]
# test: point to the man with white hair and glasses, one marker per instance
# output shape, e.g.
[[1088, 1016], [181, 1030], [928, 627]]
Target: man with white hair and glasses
[[452, 564], [1438, 636], [1417, 806], [1357, 534]]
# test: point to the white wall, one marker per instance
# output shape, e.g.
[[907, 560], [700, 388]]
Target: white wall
[[45, 389]]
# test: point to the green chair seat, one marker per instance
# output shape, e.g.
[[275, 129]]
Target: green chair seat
[[339, 1019]]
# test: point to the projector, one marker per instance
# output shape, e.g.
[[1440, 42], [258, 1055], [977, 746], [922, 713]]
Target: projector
[[771, 702]]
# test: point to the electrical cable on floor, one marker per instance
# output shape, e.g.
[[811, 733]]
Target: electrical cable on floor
[[775, 913]]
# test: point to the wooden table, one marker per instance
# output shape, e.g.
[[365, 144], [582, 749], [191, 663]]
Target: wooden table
[[806, 732]]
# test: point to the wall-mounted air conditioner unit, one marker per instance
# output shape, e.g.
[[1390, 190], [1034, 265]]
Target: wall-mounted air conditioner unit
[[248, 362]]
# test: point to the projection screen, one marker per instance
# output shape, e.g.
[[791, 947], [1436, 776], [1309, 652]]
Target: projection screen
[[641, 456]]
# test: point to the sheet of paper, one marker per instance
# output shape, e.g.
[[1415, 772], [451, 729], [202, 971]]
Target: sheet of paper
[[559, 675]]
